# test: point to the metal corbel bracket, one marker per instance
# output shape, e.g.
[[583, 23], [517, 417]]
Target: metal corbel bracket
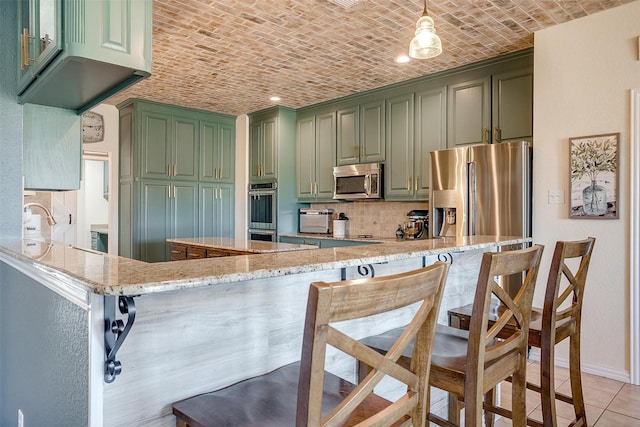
[[115, 332], [446, 257]]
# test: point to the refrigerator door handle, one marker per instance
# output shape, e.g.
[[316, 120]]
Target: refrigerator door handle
[[471, 197]]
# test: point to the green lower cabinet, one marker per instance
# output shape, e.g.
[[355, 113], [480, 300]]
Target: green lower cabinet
[[322, 243], [216, 210], [168, 210]]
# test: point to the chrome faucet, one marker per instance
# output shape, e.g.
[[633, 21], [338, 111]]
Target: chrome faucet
[[50, 219]]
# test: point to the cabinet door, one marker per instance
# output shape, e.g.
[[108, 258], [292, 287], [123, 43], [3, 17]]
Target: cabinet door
[[431, 134], [306, 158], [348, 132], [217, 210], [469, 114], [156, 146], [325, 155], [184, 209], [512, 105], [226, 210], [185, 149], [372, 133], [255, 150], [42, 21], [270, 148], [399, 179], [226, 153], [217, 152], [155, 220]]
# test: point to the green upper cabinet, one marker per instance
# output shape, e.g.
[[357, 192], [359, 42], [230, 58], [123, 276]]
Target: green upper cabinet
[[416, 125], [263, 147], [361, 134], [399, 171], [495, 104], [52, 146], [512, 101], [74, 54], [316, 153], [430, 135], [217, 151], [184, 149], [169, 146], [469, 114]]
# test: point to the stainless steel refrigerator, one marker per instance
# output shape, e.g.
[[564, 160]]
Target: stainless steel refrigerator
[[481, 190]]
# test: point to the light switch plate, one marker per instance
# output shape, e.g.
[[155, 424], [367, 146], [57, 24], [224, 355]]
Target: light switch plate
[[556, 197]]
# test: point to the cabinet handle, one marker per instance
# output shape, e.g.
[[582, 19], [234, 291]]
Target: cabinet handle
[[361, 151], [168, 192], [174, 191], [24, 49], [175, 169], [484, 135], [168, 169], [415, 185], [497, 134], [315, 188], [409, 183]]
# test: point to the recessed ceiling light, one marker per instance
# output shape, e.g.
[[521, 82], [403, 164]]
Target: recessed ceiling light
[[274, 98], [403, 59]]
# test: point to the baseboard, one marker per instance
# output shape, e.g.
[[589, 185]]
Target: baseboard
[[587, 368]]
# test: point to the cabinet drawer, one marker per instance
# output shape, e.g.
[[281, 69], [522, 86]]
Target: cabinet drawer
[[213, 253], [196, 253], [178, 252]]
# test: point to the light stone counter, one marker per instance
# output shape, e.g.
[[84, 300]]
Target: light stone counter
[[103, 274], [244, 245], [200, 325]]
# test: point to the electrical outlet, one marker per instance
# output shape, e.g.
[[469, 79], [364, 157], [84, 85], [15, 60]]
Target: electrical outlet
[[556, 197], [20, 418]]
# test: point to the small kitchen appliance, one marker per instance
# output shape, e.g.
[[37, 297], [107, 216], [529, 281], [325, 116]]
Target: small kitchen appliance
[[418, 225], [315, 221]]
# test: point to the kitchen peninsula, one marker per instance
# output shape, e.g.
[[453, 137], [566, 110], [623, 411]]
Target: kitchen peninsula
[[193, 326]]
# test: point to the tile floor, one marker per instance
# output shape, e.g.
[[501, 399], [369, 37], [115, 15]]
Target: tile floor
[[610, 403]]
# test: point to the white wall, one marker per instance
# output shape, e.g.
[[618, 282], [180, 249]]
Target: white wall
[[584, 71]]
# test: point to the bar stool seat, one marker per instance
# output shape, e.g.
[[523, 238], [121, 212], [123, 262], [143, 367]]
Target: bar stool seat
[[249, 402]]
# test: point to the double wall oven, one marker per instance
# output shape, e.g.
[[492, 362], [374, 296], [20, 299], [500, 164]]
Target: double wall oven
[[263, 205]]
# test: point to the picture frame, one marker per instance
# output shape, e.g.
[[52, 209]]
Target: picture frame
[[593, 178]]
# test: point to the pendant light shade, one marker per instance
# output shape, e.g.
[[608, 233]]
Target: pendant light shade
[[425, 44]]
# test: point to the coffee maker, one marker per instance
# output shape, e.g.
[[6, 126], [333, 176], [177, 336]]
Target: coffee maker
[[418, 225]]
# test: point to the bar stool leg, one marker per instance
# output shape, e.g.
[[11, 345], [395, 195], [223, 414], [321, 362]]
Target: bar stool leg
[[518, 394], [490, 399], [547, 384], [576, 379]]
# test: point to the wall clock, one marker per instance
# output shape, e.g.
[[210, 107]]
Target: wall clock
[[92, 127]]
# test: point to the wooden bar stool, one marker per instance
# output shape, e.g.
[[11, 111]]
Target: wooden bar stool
[[560, 318], [469, 364], [304, 394]]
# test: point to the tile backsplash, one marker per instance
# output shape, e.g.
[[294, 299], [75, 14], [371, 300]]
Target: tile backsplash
[[378, 218]]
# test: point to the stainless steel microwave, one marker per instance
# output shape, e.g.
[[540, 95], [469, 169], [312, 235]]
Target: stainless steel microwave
[[357, 182]]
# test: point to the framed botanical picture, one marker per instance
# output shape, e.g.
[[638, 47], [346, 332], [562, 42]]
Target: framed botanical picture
[[593, 184]]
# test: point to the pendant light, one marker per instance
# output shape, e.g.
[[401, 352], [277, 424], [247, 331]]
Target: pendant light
[[425, 44]]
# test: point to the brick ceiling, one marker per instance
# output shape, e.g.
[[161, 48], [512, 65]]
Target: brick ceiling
[[230, 56]]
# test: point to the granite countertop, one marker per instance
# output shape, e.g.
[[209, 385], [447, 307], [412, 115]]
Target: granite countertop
[[104, 274], [244, 245]]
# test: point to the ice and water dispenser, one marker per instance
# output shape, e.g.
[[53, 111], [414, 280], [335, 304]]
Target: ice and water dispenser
[[444, 213]]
